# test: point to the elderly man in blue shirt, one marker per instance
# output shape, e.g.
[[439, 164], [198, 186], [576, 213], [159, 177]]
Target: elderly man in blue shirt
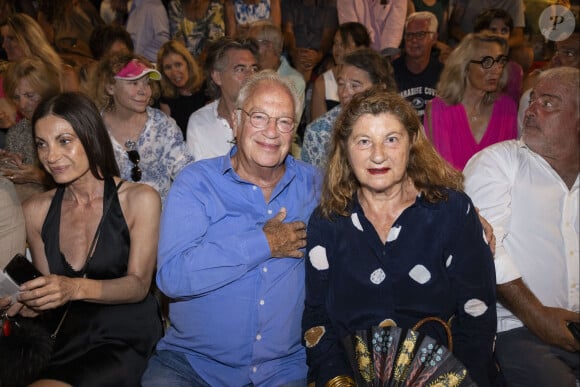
[[230, 253]]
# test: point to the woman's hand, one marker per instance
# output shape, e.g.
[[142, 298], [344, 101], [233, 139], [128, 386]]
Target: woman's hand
[[48, 292], [13, 167], [6, 119], [488, 231], [13, 308]]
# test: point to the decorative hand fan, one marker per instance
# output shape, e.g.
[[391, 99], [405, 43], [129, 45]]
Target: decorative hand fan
[[398, 357]]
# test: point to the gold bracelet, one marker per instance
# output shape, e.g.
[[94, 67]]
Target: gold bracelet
[[340, 381]]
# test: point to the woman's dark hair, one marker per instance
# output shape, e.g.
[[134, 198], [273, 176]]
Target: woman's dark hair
[[84, 117], [358, 32], [484, 19], [103, 38], [376, 66]]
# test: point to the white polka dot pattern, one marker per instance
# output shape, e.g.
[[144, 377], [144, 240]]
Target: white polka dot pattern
[[475, 307], [449, 259], [393, 233], [378, 276], [356, 222], [318, 258], [420, 274]]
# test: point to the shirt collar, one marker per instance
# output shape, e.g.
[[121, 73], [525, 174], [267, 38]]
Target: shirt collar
[[227, 168]]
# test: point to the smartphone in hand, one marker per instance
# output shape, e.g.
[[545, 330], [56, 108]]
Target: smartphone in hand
[[574, 327], [18, 271]]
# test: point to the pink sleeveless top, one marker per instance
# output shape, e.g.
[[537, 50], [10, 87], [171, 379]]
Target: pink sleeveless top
[[452, 137]]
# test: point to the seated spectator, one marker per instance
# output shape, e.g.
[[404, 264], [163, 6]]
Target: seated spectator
[[470, 113], [12, 232], [197, 23], [462, 19], [230, 249], [383, 19], [567, 53], [23, 37], [394, 241], [148, 25], [270, 43], [417, 70], [361, 70], [68, 26], [239, 14], [229, 63], [181, 83], [309, 28], [27, 82], [439, 8], [528, 190], [348, 37], [109, 39], [104, 41], [94, 239], [499, 22], [147, 144]]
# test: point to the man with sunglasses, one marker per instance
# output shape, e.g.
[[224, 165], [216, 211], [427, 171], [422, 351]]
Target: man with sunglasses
[[528, 190], [417, 70], [232, 239]]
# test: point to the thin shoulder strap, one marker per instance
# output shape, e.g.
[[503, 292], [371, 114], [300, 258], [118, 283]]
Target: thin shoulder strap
[[106, 208]]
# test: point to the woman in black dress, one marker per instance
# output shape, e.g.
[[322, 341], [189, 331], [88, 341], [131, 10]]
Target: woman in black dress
[[95, 239]]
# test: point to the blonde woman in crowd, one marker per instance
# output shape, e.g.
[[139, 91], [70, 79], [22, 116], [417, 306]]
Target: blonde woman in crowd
[[181, 83], [470, 113]]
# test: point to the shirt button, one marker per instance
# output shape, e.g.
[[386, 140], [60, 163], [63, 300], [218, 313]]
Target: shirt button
[[258, 337], [254, 188], [270, 212], [265, 269], [262, 302], [254, 369]]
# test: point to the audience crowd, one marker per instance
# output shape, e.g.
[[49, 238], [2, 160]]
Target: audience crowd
[[224, 192]]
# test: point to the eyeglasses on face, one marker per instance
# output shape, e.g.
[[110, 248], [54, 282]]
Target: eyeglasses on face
[[135, 158], [568, 53], [260, 120], [419, 35], [487, 62]]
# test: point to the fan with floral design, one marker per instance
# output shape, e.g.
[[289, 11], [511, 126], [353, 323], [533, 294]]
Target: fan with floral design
[[393, 356]]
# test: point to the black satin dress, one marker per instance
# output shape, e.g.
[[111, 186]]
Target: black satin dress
[[98, 344]]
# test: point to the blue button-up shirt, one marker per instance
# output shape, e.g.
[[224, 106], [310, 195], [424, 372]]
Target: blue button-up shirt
[[236, 310]]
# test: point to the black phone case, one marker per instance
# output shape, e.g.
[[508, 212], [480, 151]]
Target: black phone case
[[574, 327], [21, 269]]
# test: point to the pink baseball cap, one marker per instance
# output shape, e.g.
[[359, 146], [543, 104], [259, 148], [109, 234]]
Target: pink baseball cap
[[135, 70]]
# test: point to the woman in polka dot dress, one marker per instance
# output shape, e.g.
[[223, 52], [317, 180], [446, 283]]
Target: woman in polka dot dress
[[394, 240]]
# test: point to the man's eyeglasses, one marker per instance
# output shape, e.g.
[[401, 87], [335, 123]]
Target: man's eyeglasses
[[419, 35], [264, 42], [260, 120], [487, 62], [568, 53], [135, 158]]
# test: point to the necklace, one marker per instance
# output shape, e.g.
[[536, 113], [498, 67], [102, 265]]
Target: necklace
[[130, 144], [475, 113]]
